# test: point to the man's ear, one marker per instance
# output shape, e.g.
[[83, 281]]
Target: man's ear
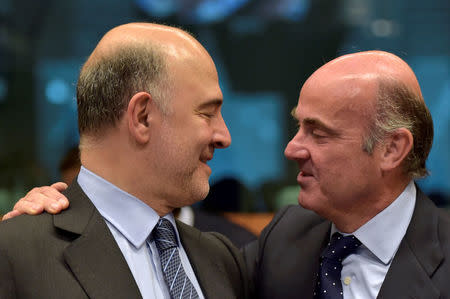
[[396, 147], [139, 112]]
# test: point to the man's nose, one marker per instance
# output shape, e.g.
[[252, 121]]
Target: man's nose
[[222, 137], [296, 148]]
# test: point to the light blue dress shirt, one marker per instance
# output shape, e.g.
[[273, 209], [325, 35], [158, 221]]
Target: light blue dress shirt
[[363, 272], [131, 221]]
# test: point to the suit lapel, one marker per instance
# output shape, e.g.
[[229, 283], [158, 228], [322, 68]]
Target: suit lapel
[[292, 267], [312, 244], [94, 257], [417, 258], [210, 275]]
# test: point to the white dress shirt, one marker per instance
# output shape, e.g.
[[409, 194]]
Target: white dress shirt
[[363, 272], [186, 215], [131, 221]]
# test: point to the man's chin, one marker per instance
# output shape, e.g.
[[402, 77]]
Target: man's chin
[[200, 191], [308, 201]]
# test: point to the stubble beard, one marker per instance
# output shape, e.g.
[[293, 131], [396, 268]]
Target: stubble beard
[[192, 184]]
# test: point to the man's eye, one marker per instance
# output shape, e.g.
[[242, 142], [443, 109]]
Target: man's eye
[[318, 134], [208, 115]]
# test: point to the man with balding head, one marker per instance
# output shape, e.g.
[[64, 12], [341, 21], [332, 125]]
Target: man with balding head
[[149, 112], [364, 136]]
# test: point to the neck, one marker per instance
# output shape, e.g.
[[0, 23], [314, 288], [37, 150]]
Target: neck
[[356, 216], [106, 159]]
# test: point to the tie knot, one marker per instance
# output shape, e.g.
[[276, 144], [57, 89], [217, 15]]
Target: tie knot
[[340, 247], [164, 235]]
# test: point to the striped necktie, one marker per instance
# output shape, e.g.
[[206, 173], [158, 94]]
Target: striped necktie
[[166, 242]]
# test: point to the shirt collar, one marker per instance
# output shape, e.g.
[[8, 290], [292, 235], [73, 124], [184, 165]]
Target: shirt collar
[[186, 215], [383, 233], [133, 218]]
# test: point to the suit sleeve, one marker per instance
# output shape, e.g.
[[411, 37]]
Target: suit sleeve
[[253, 252], [237, 255], [250, 253], [7, 286]]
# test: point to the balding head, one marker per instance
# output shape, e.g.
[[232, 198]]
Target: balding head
[[394, 100], [171, 41], [374, 65], [130, 58]]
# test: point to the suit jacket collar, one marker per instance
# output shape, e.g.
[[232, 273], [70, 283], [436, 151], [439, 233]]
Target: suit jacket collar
[[93, 256], [211, 275], [280, 270], [418, 256], [313, 246]]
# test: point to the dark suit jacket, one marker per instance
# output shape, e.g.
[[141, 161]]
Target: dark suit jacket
[[285, 261], [209, 222], [74, 255]]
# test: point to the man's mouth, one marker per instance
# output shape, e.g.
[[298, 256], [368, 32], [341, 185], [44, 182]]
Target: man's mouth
[[205, 159], [304, 177], [305, 173]]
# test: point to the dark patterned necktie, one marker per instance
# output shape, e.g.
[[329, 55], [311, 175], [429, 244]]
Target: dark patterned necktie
[[166, 242], [329, 277]]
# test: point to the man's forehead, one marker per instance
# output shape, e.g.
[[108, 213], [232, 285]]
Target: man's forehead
[[339, 90], [375, 63], [345, 98]]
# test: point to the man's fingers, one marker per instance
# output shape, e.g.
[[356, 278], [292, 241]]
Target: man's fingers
[[48, 193], [39, 199], [27, 207], [62, 200], [11, 214], [60, 186], [48, 200], [54, 201], [43, 198]]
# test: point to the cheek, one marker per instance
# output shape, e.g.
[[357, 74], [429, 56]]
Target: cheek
[[338, 167], [348, 174], [198, 140], [184, 145], [331, 163]]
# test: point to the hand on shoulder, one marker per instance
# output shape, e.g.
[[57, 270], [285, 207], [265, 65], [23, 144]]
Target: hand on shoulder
[[40, 199]]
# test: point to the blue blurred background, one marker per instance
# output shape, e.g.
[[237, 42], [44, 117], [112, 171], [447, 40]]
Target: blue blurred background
[[264, 51]]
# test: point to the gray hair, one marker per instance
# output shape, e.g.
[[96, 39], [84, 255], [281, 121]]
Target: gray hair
[[106, 85], [397, 107]]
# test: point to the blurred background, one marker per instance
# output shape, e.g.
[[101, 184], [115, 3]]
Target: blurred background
[[264, 51]]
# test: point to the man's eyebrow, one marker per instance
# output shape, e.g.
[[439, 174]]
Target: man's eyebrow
[[316, 123], [214, 102]]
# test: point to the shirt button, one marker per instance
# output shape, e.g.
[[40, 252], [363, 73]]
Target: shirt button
[[347, 280]]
